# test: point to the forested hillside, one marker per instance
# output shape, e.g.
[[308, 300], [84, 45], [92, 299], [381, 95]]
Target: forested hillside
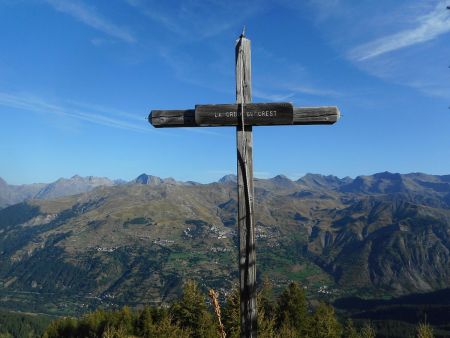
[[288, 315]]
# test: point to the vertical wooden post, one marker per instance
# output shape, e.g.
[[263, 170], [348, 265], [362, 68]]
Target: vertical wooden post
[[246, 224]]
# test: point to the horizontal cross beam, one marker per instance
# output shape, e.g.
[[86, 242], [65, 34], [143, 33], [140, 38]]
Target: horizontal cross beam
[[255, 114]]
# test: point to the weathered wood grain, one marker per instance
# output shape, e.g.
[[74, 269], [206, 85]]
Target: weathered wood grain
[[316, 115], [172, 118], [246, 217], [215, 115]]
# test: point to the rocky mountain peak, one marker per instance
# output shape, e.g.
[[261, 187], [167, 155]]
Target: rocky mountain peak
[[281, 178], [282, 181], [386, 175], [228, 179], [148, 179], [379, 183]]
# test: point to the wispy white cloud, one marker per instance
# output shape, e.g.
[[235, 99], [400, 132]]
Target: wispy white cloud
[[107, 110], [158, 16], [92, 113], [324, 8], [83, 112], [315, 91], [272, 97], [427, 27], [89, 17], [293, 89], [432, 88], [198, 20]]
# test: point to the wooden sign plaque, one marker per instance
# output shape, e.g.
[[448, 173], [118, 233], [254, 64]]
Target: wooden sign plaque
[[255, 114]]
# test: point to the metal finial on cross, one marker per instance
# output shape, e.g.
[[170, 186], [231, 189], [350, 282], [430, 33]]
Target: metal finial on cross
[[255, 114]]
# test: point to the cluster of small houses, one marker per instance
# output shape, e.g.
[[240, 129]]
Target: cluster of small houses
[[163, 242], [214, 231], [106, 249], [325, 290]]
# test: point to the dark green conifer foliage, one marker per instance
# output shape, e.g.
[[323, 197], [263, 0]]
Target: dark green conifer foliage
[[286, 331], [145, 325], [65, 327], [368, 331], [191, 312], [349, 330], [323, 323], [288, 317], [266, 311], [293, 309], [156, 323], [266, 299], [231, 313], [20, 325], [117, 324]]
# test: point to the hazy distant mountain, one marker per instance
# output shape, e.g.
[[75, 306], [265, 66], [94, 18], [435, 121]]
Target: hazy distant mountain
[[4, 198], [388, 183], [72, 186], [136, 242], [433, 190], [12, 194], [316, 181], [228, 179]]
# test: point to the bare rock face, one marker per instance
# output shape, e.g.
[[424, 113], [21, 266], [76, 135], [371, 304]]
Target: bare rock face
[[148, 180], [72, 186]]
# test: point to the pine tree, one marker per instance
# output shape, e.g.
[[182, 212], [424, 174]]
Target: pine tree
[[293, 309], [190, 312], [266, 299], [266, 311], [285, 331], [324, 323], [64, 327], [112, 332], [164, 328], [145, 325], [368, 331], [350, 330], [231, 313]]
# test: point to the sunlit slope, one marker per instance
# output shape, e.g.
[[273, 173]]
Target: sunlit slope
[[137, 242]]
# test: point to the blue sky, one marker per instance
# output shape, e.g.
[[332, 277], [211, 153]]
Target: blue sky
[[78, 78]]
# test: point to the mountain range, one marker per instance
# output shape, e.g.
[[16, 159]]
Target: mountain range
[[136, 242], [12, 194]]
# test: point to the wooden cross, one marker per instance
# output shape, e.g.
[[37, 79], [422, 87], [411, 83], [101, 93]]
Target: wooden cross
[[244, 115]]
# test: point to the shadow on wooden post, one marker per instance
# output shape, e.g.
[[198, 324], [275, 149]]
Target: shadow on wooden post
[[246, 224]]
